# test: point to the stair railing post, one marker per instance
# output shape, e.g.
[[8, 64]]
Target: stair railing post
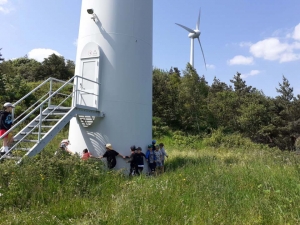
[[13, 114], [76, 91], [40, 123], [50, 92]]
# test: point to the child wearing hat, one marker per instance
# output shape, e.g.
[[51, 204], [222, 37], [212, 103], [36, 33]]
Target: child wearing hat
[[110, 155], [64, 145]]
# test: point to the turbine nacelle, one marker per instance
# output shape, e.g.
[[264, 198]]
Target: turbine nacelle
[[196, 34]]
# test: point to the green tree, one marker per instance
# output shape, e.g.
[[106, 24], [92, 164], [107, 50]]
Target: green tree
[[192, 95], [1, 59], [284, 115], [240, 85], [218, 86], [223, 107], [70, 65], [165, 97], [27, 68], [253, 114], [55, 66]]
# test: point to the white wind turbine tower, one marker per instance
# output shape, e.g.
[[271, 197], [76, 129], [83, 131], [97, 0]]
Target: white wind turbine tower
[[192, 35]]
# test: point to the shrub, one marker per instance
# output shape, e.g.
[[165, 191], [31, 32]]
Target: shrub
[[219, 139], [159, 128]]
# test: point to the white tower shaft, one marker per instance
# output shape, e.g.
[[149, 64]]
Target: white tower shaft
[[192, 52], [122, 33]]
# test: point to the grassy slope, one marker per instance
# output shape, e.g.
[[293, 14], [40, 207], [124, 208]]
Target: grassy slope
[[205, 186]]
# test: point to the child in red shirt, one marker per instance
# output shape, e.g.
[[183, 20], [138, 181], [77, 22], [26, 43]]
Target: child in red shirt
[[86, 155]]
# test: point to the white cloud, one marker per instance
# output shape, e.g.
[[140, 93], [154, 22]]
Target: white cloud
[[5, 7], [40, 54], [3, 2], [240, 60], [252, 73], [273, 49], [269, 49], [296, 34], [210, 66], [282, 46], [288, 57]]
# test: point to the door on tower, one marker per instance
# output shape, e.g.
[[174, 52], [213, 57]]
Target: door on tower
[[88, 83]]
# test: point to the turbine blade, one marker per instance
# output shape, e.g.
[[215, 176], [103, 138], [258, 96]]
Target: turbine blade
[[186, 28], [198, 22], [202, 52]]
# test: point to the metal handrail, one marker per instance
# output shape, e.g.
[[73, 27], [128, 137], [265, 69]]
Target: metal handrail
[[42, 84], [36, 108], [36, 88], [39, 124], [77, 76], [31, 107], [88, 92], [48, 98]]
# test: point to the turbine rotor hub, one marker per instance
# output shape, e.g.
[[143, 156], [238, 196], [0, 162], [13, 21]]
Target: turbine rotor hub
[[195, 35]]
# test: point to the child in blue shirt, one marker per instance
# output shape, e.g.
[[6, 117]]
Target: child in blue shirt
[[150, 156]]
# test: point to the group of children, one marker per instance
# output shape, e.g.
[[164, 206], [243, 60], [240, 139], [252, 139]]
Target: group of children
[[155, 157]]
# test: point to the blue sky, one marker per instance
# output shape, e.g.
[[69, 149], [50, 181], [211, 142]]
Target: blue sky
[[258, 38]]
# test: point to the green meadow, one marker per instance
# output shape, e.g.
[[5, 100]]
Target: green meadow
[[216, 180]]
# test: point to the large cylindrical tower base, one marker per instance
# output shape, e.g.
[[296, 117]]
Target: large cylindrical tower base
[[123, 32]]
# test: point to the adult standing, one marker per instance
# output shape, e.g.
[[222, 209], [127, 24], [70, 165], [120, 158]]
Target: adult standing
[[6, 122], [110, 155]]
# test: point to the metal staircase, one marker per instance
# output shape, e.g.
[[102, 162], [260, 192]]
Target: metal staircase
[[39, 123]]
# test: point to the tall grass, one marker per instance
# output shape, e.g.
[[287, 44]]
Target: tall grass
[[207, 185]]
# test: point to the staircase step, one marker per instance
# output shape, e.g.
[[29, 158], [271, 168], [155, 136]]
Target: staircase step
[[31, 126], [26, 140], [59, 108], [48, 120], [54, 114], [34, 133], [11, 157], [22, 149]]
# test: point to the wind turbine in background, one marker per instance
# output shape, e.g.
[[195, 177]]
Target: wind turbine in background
[[192, 35]]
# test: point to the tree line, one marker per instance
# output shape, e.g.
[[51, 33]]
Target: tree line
[[183, 102], [19, 76], [187, 103]]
